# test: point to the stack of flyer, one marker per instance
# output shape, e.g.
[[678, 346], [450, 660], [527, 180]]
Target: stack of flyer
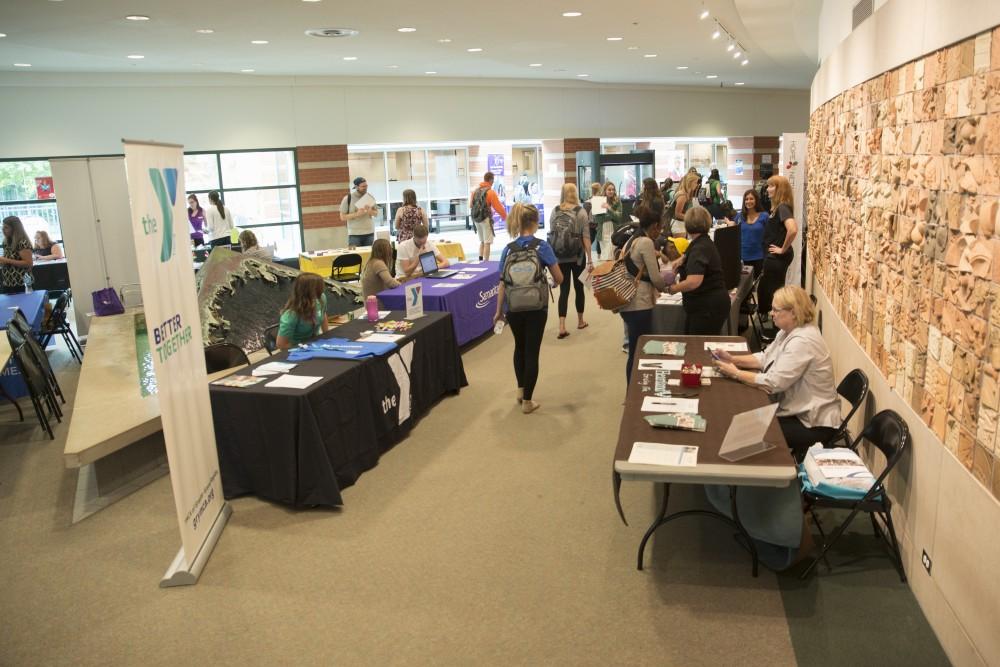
[[837, 472]]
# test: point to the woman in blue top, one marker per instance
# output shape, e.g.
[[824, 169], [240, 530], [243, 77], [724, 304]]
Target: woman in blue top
[[527, 325], [751, 220], [304, 316]]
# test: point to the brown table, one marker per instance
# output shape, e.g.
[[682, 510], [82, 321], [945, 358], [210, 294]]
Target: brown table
[[717, 404]]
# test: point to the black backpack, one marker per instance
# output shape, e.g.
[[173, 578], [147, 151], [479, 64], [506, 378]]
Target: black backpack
[[563, 236], [480, 209], [524, 284]]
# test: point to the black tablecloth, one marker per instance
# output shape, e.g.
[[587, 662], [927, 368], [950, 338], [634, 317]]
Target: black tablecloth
[[52, 275], [301, 447]]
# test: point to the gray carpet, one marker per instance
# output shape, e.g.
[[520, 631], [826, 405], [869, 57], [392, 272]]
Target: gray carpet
[[486, 537]]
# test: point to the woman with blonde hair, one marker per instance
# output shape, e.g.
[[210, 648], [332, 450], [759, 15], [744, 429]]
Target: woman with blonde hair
[[779, 232], [304, 316], [570, 239], [45, 248], [797, 368], [376, 276], [684, 200]]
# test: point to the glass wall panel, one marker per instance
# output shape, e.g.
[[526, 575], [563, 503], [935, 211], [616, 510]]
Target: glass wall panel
[[36, 217], [371, 166], [446, 170], [258, 168], [407, 170], [201, 172], [258, 207], [285, 238]]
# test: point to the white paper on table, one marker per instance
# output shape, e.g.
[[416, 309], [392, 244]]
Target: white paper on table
[[463, 276], [660, 364], [381, 338], [258, 373], [598, 205], [383, 313], [669, 404], [446, 284], [276, 367], [473, 269], [728, 347], [294, 381], [661, 454]]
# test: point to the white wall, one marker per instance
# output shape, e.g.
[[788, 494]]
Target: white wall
[[898, 32], [52, 115]]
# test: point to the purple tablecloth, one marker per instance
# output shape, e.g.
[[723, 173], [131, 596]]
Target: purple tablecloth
[[33, 307], [472, 302]]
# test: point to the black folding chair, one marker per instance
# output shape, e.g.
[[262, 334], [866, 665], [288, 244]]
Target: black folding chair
[[888, 432], [223, 356], [21, 332], [854, 389], [57, 325], [346, 268], [41, 395], [753, 312], [271, 338]]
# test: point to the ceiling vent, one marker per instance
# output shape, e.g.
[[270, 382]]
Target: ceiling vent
[[862, 11], [335, 32]]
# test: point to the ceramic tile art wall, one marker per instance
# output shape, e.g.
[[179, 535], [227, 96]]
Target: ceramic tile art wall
[[904, 235]]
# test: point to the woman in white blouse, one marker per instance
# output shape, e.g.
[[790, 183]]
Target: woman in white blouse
[[219, 221], [797, 368]]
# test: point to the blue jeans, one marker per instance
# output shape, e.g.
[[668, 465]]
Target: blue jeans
[[638, 323], [358, 240]]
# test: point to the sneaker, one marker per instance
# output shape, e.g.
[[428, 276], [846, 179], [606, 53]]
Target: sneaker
[[625, 348]]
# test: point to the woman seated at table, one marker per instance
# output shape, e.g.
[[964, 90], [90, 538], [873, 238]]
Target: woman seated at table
[[304, 316], [706, 301], [45, 249], [797, 368], [376, 277], [17, 259], [249, 246]]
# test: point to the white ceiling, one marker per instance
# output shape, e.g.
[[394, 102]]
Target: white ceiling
[[93, 36]]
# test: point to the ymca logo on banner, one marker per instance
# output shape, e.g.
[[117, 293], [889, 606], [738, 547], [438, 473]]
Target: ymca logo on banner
[[165, 186]]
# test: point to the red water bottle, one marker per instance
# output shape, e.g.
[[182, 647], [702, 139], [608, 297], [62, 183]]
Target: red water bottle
[[371, 306]]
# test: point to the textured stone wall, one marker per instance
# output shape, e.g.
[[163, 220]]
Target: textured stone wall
[[904, 235]]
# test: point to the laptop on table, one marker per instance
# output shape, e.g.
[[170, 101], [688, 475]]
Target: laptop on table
[[428, 264]]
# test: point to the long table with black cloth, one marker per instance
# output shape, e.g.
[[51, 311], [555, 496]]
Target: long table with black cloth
[[301, 447]]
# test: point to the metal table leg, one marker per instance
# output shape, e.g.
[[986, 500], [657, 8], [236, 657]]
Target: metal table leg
[[743, 531]]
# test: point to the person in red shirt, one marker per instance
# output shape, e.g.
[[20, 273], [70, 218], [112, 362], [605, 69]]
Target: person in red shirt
[[482, 202]]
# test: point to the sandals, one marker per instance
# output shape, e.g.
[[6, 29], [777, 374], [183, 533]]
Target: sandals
[[562, 334], [583, 326]]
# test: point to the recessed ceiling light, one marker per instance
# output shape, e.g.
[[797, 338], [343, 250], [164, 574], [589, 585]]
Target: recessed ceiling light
[[738, 83], [2, 35], [704, 15], [135, 56], [633, 48], [730, 47], [737, 55], [311, 0], [682, 67], [745, 62], [204, 31], [406, 29], [583, 75], [430, 72], [136, 17], [649, 55], [716, 34], [559, 69], [711, 76], [350, 57], [22, 64], [248, 71], [444, 40], [392, 66], [614, 39], [571, 15], [258, 41], [535, 65], [474, 50], [332, 32]]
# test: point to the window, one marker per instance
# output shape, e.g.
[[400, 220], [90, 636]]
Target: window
[[259, 187], [26, 190]]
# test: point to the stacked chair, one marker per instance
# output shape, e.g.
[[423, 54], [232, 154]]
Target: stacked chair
[[56, 325], [43, 387]]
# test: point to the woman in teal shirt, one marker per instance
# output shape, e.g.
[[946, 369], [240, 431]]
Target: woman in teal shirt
[[304, 316]]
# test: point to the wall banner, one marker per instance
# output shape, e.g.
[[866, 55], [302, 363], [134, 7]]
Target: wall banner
[[160, 231]]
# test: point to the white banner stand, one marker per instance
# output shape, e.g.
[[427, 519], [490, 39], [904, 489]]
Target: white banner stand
[[793, 167], [180, 573]]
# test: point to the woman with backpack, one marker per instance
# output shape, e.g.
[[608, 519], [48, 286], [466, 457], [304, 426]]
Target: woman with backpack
[[524, 290], [569, 237], [408, 216], [641, 261]]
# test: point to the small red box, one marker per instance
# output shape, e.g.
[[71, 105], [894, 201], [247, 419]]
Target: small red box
[[691, 375]]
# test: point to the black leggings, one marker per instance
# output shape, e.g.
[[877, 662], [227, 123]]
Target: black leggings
[[527, 327], [570, 270], [773, 279], [800, 438], [707, 316]]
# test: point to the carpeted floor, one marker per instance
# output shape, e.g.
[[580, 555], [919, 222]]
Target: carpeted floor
[[487, 537]]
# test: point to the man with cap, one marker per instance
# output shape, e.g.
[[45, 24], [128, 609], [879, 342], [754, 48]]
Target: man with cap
[[359, 210]]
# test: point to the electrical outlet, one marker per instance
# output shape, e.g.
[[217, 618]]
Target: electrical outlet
[[926, 560]]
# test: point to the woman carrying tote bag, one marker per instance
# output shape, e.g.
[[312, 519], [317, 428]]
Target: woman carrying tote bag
[[640, 260]]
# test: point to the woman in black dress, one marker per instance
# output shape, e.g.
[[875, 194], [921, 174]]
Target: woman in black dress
[[779, 232]]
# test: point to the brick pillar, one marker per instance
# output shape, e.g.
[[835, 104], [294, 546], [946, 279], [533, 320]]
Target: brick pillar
[[559, 166], [753, 151], [570, 147], [323, 182]]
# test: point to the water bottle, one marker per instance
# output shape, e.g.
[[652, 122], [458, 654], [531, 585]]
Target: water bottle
[[371, 307], [28, 280]]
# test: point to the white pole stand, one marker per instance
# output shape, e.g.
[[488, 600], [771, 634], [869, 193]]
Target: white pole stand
[[180, 573]]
